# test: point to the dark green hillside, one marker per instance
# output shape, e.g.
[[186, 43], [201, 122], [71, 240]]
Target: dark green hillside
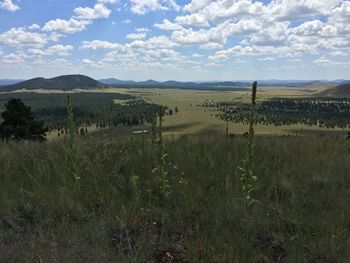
[[66, 82], [340, 91]]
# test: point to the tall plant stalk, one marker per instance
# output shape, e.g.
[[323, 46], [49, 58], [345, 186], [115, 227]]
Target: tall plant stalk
[[72, 155], [248, 176], [161, 175]]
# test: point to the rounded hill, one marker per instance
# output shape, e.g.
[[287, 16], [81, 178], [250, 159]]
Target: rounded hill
[[340, 91], [65, 82]]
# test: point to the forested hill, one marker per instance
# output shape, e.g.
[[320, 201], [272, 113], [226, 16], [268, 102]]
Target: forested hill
[[66, 82], [340, 91]]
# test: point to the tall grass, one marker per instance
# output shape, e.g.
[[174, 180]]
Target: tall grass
[[303, 189]]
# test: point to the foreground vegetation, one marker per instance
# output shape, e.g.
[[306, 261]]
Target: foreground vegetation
[[302, 213]]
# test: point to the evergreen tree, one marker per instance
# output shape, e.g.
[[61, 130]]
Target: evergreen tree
[[19, 123]]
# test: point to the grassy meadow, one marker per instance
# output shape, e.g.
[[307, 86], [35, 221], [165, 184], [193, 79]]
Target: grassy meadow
[[301, 213], [194, 119]]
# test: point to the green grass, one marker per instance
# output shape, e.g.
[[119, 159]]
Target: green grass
[[303, 213]]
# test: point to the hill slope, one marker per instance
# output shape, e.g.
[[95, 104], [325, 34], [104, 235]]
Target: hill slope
[[66, 82], [340, 91]]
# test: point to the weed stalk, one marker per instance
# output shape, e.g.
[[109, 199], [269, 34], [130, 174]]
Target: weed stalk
[[72, 155], [248, 177], [161, 180]]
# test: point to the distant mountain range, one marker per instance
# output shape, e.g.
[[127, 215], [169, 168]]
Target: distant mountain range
[[66, 82], [220, 85], [213, 84], [5, 82], [70, 82]]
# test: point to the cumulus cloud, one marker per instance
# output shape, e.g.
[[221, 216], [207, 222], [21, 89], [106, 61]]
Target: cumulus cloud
[[88, 13], [14, 58], [66, 26], [193, 19], [60, 50], [264, 28], [98, 44], [18, 37], [220, 29], [142, 30], [55, 50], [153, 42], [323, 61], [34, 27], [167, 25], [9, 5], [142, 7], [136, 35]]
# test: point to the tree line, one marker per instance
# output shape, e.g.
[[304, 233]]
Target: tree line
[[322, 112], [31, 115]]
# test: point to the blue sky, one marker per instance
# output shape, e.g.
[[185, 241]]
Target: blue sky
[[176, 39]]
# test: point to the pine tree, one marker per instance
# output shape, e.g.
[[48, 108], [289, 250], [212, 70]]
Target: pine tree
[[20, 124]]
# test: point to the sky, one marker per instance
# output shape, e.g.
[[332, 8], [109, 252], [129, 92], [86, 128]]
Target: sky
[[186, 40]]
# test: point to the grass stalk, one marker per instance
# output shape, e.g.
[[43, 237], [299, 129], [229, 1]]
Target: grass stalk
[[72, 155], [248, 176]]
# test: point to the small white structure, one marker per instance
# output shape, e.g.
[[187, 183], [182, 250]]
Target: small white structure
[[139, 132]]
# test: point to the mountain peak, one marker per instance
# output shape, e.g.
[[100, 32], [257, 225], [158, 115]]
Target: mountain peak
[[64, 82]]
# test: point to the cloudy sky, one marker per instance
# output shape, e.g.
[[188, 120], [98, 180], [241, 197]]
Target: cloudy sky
[[176, 39]]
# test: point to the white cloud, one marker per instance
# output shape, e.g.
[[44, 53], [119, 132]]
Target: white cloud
[[142, 7], [216, 34], [35, 52], [34, 27], [88, 61], [107, 1], [14, 58], [99, 44], [18, 37], [142, 30], [136, 35], [167, 25], [88, 13], [9, 5], [323, 61], [56, 50], [59, 50], [196, 5], [238, 51], [153, 42], [211, 45], [275, 35], [162, 54], [66, 26], [193, 19], [301, 9], [126, 21]]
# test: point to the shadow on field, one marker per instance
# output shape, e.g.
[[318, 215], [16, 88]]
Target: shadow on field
[[328, 133], [179, 127]]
